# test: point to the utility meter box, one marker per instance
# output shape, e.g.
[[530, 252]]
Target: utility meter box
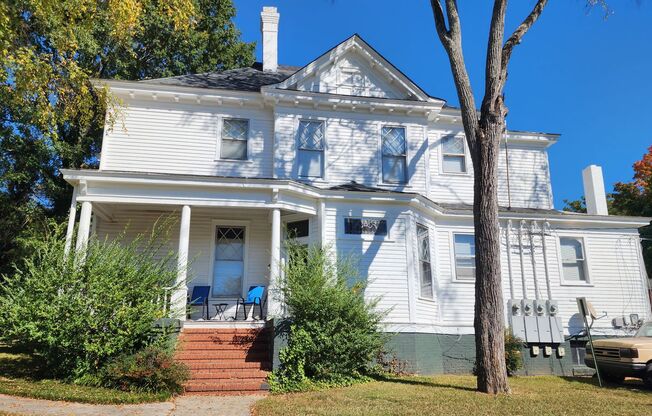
[[531, 329], [540, 307], [518, 326], [553, 307], [515, 307], [528, 307], [556, 330], [543, 323]]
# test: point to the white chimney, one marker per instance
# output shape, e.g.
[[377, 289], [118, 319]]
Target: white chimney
[[269, 26], [596, 198]]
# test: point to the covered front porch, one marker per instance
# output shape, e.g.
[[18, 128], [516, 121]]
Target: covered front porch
[[228, 234]]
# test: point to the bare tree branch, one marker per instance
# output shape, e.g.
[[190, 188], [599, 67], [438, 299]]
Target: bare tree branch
[[440, 22], [518, 34], [493, 68], [451, 39]]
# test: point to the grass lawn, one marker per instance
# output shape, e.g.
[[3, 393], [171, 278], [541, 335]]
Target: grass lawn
[[455, 395], [20, 375]]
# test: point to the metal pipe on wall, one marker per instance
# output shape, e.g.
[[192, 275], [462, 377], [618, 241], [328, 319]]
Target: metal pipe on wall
[[546, 226], [509, 259], [520, 249], [532, 231]]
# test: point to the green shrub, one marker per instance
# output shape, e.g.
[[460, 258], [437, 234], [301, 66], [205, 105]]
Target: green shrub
[[148, 371], [513, 358], [79, 314], [334, 333]]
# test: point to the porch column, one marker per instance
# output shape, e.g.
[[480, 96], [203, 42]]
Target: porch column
[[70, 231], [273, 294], [84, 226], [181, 292]]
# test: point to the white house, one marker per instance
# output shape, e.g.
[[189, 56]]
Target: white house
[[348, 152]]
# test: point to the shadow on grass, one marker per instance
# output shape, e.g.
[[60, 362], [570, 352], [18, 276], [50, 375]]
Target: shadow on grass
[[633, 385], [14, 364], [422, 382]]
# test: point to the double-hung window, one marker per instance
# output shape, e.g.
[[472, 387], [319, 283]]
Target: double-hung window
[[453, 154], [394, 155], [228, 270], [234, 136], [425, 268], [573, 259], [311, 149], [464, 257]]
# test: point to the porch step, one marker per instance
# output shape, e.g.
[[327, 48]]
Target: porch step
[[225, 360]]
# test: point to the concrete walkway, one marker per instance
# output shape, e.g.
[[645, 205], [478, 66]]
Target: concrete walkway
[[180, 406]]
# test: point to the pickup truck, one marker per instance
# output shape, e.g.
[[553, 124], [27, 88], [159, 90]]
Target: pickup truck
[[624, 357]]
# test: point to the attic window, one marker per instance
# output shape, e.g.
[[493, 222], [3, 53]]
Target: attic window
[[352, 82]]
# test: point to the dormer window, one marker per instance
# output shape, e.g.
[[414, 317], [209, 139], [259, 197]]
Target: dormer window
[[394, 155], [310, 137], [235, 133], [453, 155]]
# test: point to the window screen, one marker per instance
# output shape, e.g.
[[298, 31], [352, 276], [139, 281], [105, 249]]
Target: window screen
[[234, 139], [394, 155]]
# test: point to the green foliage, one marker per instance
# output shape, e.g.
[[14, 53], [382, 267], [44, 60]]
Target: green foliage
[[79, 312], [150, 370], [50, 115], [334, 332], [513, 358]]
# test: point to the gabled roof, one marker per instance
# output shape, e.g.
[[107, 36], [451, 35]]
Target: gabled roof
[[377, 60], [240, 79]]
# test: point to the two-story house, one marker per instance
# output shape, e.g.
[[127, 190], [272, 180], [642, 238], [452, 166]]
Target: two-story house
[[347, 152]]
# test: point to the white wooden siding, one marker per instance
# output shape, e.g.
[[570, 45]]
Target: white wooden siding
[[183, 138]]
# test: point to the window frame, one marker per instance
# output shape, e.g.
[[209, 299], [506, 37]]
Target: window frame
[[430, 261], [442, 155], [341, 228], [220, 129], [245, 268], [324, 124], [454, 258], [587, 269], [406, 182]]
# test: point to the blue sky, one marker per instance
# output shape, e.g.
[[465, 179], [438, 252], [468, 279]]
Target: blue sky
[[575, 73]]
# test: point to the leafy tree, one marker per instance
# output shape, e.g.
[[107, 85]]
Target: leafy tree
[[50, 115], [484, 129]]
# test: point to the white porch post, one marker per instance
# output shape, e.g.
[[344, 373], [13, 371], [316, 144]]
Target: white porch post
[[273, 294], [181, 292], [84, 225], [70, 231]]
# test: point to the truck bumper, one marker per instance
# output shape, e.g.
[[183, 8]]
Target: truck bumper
[[618, 368]]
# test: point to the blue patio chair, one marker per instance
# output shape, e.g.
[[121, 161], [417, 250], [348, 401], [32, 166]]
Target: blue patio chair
[[255, 297], [199, 297]]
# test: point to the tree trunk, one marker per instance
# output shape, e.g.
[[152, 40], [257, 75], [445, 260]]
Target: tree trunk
[[489, 307]]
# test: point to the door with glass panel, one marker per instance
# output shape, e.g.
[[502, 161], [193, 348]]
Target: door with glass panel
[[228, 270]]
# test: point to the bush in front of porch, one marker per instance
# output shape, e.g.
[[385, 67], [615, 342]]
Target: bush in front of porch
[[333, 331], [84, 313]]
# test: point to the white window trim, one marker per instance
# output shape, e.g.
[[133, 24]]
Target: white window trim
[[229, 223], [295, 218], [381, 182], [218, 147], [467, 158], [324, 174], [451, 239], [432, 265], [587, 267], [342, 235]]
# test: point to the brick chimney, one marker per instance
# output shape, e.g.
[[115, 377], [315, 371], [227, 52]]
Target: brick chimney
[[269, 27]]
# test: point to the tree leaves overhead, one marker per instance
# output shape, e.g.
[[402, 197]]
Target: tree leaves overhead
[[50, 115]]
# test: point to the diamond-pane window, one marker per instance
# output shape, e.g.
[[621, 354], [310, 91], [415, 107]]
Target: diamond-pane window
[[234, 139], [454, 157], [425, 268], [310, 144], [394, 155], [229, 261]]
